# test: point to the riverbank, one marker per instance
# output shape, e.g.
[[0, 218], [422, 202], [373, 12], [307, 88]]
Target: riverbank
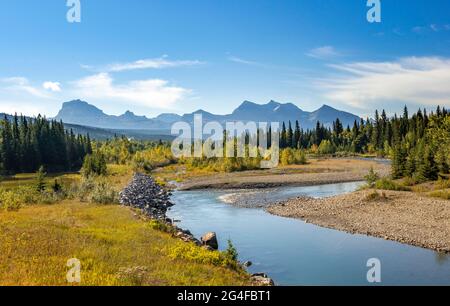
[[316, 172], [405, 217]]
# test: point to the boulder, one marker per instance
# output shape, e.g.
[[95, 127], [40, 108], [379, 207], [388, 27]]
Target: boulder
[[247, 264], [210, 239]]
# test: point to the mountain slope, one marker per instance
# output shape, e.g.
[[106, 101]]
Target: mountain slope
[[81, 113]]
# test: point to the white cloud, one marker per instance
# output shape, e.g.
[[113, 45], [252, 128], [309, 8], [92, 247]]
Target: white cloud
[[22, 85], [154, 93], [52, 86], [420, 80], [323, 52], [243, 61], [155, 63]]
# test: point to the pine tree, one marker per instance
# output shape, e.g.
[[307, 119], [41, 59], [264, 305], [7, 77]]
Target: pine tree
[[40, 179]]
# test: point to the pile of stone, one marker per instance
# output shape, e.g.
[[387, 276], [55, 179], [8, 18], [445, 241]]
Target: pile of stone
[[261, 279], [145, 194]]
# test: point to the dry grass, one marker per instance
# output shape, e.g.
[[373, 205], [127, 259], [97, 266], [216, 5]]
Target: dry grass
[[37, 241], [115, 246]]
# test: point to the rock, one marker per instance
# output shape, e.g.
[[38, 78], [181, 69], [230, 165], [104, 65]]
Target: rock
[[208, 248], [261, 279], [247, 264], [210, 239], [145, 194]]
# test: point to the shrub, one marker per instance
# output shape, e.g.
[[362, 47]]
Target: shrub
[[386, 184], [326, 147], [189, 251], [93, 190], [161, 226], [371, 177], [103, 193], [409, 181], [292, 157], [153, 158], [56, 187], [94, 164], [231, 252], [375, 196], [443, 194], [443, 184], [40, 177], [9, 201]]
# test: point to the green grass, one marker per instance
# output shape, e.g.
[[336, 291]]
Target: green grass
[[114, 244], [443, 194], [386, 184], [37, 241], [29, 180]]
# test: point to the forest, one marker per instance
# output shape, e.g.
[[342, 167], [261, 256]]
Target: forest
[[28, 143], [417, 144]]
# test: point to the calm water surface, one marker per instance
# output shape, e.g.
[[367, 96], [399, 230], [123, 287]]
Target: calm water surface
[[293, 252]]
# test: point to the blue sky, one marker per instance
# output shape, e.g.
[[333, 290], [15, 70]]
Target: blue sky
[[182, 55]]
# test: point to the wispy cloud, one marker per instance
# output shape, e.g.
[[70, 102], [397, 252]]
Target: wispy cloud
[[434, 27], [152, 63], [22, 85], [239, 60], [419, 29], [324, 52], [419, 80], [52, 86], [153, 93], [430, 28]]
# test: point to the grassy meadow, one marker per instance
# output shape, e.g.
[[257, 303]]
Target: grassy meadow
[[116, 245]]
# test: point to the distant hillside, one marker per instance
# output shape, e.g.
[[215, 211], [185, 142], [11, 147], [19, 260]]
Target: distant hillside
[[103, 134], [81, 113]]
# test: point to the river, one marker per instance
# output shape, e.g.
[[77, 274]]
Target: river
[[293, 252]]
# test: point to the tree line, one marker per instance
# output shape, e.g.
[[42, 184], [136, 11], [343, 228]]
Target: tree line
[[26, 144], [419, 145]]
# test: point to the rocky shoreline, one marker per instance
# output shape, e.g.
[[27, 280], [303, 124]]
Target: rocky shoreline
[[145, 195], [404, 217]]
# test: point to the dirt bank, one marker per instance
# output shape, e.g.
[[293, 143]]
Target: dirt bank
[[316, 172], [402, 216]]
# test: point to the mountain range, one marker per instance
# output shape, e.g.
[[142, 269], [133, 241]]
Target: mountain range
[[84, 114]]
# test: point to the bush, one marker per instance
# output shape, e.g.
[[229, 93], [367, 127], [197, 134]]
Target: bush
[[40, 177], [443, 184], [386, 184], [443, 194], [409, 181], [103, 193], [93, 190], [231, 252], [292, 157], [153, 158], [189, 251], [326, 147], [371, 177], [161, 226], [9, 201], [94, 164], [375, 196]]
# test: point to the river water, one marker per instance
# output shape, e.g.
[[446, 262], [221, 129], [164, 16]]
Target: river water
[[293, 252]]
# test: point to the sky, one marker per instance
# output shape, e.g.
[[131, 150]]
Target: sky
[[179, 56]]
